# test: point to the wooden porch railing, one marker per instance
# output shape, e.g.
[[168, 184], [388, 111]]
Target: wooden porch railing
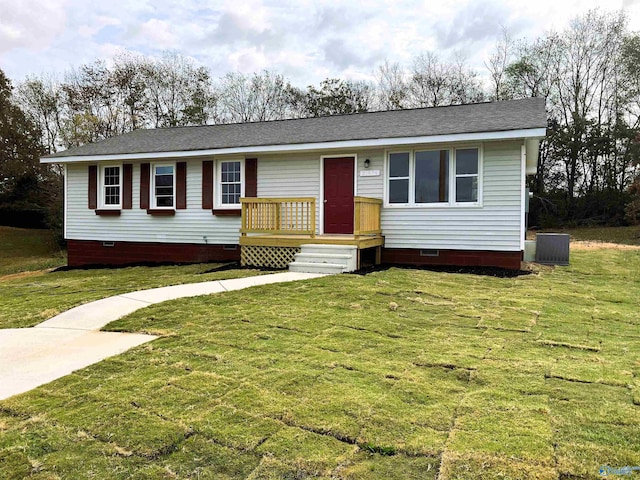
[[297, 216], [279, 216], [366, 217]]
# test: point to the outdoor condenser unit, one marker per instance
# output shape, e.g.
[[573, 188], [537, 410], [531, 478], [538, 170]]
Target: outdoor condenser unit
[[552, 248]]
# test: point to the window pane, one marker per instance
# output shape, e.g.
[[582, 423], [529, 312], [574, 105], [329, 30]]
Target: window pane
[[230, 182], [467, 161], [164, 201], [467, 189], [432, 176], [398, 191], [399, 165], [112, 175], [166, 170], [112, 196], [111, 184], [164, 180], [230, 171]]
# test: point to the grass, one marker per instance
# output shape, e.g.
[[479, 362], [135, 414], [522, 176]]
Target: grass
[[26, 300], [621, 235], [30, 293], [27, 250], [403, 374]]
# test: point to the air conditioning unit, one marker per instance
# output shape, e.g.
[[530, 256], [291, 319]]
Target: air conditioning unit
[[552, 248]]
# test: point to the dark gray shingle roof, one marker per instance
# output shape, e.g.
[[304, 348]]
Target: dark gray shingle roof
[[480, 117]]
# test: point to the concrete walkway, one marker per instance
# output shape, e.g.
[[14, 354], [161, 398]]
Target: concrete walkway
[[30, 357]]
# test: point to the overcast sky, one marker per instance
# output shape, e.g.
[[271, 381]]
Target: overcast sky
[[306, 40]]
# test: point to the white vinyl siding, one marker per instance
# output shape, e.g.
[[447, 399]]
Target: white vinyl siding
[[187, 226], [493, 226], [296, 175], [371, 186]]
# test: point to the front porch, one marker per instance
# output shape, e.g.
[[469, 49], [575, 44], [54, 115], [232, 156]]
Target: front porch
[[274, 229]]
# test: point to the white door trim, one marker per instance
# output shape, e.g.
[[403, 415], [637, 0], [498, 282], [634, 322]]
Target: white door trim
[[321, 193]]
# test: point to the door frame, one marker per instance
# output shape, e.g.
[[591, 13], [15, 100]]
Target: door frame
[[321, 193]]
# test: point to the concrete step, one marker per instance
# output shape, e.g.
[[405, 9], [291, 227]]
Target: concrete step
[[337, 249], [342, 259], [325, 259], [313, 267]]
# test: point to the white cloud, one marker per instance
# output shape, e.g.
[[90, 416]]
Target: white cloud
[[94, 25], [30, 24], [156, 33], [306, 40]]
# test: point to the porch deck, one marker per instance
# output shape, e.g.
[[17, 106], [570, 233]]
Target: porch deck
[[361, 241], [274, 229]]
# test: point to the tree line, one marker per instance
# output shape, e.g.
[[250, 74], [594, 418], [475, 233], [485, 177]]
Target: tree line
[[588, 73]]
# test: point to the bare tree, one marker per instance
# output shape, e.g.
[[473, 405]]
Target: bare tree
[[430, 79], [179, 92], [392, 89], [465, 86], [127, 75], [42, 101], [251, 98], [497, 64], [338, 97], [434, 83]]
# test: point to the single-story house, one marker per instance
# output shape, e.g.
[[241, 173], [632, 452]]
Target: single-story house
[[443, 185]]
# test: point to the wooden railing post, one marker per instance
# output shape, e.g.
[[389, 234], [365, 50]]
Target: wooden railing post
[[312, 226], [243, 222]]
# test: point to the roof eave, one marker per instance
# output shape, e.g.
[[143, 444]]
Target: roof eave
[[300, 147]]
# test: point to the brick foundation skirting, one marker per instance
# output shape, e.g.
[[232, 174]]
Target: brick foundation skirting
[[90, 252], [467, 258]]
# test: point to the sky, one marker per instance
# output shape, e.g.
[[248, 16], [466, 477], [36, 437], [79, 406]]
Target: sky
[[306, 40]]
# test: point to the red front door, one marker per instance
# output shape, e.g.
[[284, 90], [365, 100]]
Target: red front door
[[338, 195]]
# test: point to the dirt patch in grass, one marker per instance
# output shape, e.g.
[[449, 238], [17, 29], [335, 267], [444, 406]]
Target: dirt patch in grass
[[597, 245], [483, 271], [21, 275]]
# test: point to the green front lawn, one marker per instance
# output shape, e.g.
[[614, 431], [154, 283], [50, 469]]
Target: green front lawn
[[30, 293], [26, 300], [399, 374]]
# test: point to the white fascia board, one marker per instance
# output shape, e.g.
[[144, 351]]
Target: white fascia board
[[299, 147]]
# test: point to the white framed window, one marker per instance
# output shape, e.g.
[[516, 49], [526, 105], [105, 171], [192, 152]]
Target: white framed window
[[434, 177], [431, 176], [399, 164], [163, 185], [230, 183], [110, 186], [467, 167]]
